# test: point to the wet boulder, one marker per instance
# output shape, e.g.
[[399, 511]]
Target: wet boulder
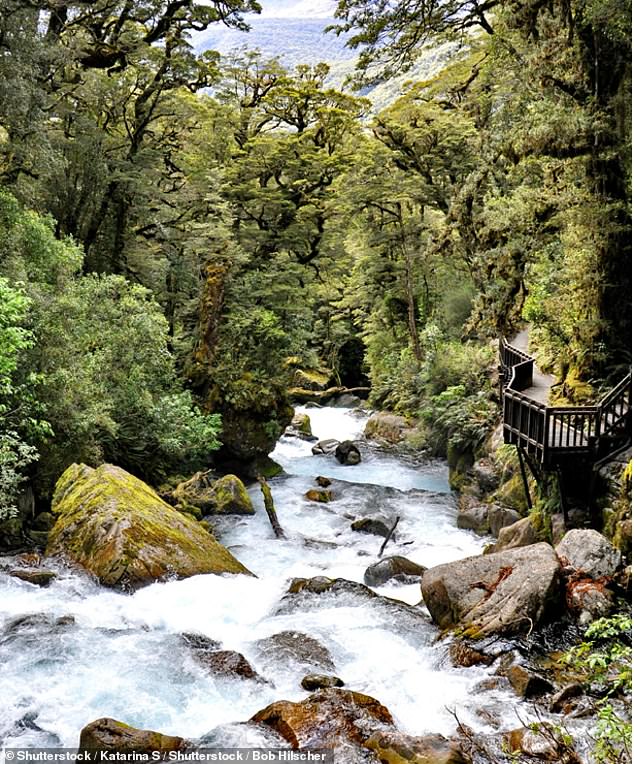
[[464, 655], [501, 517], [111, 735], [326, 719], [296, 648], [116, 527], [300, 427], [522, 533], [473, 516], [231, 497], [525, 682], [395, 568], [227, 663], [325, 447], [196, 492], [322, 496], [541, 742], [588, 599], [312, 682], [37, 576], [376, 526], [323, 482], [322, 585], [589, 553], [398, 748], [224, 496], [347, 453], [386, 428], [506, 592]]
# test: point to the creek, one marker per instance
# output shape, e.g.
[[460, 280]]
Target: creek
[[122, 655]]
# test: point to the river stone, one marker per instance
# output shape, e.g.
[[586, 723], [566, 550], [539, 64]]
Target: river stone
[[323, 496], [223, 496], [502, 593], [323, 482], [463, 655], [111, 735], [561, 699], [200, 642], [227, 663], [522, 533], [540, 742], [300, 424], [589, 553], [473, 517], [322, 584], [328, 446], [313, 682], [588, 599], [117, 527], [501, 517], [386, 427], [295, 647], [395, 567], [230, 497], [373, 525], [197, 491], [37, 576], [326, 719], [398, 748], [527, 684], [347, 453]]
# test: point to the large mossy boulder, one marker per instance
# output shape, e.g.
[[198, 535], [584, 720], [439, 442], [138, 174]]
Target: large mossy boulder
[[507, 592], [118, 528], [111, 735]]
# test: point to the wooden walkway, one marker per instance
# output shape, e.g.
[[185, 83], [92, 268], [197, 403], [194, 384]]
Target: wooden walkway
[[556, 435]]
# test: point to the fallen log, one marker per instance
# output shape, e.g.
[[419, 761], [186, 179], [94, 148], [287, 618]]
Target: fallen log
[[389, 536], [270, 508], [301, 395]]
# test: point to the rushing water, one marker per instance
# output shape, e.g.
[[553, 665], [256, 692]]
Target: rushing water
[[122, 657]]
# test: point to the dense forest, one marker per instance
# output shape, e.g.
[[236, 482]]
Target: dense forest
[[187, 238], [181, 233]]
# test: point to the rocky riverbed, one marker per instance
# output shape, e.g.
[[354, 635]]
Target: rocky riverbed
[[198, 657]]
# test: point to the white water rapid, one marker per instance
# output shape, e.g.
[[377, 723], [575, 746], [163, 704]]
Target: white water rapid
[[122, 656]]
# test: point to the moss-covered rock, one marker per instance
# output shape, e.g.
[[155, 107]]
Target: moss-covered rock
[[118, 528], [223, 496], [231, 498], [301, 423], [511, 494], [323, 496], [312, 379]]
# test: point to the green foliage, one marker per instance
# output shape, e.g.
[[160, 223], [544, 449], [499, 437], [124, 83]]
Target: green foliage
[[604, 660], [15, 454], [109, 383]]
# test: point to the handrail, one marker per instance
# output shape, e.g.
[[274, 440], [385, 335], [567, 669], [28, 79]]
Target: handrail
[[542, 429]]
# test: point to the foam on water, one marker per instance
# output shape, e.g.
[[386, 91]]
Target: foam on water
[[123, 656]]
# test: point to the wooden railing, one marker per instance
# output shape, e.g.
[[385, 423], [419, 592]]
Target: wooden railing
[[551, 432]]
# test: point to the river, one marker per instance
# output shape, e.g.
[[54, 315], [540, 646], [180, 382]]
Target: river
[[122, 656]]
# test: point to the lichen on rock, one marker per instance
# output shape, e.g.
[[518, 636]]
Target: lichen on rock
[[119, 529]]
